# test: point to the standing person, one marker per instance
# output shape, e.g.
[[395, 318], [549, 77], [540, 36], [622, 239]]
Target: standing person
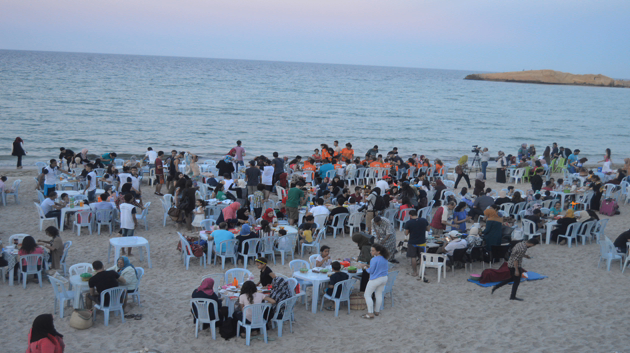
[[371, 201], [440, 218], [514, 264], [252, 177], [278, 167], [50, 176], [572, 161], [336, 148], [480, 185], [378, 278], [502, 164], [225, 166], [372, 151], [43, 337], [267, 178], [460, 170], [547, 155], [67, 154], [18, 151], [295, 198], [239, 152], [385, 235], [159, 173], [128, 220], [173, 169], [416, 228], [150, 156], [485, 158], [91, 180], [537, 180]]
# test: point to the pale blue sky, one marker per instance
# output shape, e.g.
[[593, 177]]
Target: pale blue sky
[[502, 35]]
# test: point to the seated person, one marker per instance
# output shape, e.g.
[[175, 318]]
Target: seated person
[[249, 296], [563, 225], [335, 278], [101, 281], [480, 205], [536, 217], [352, 205], [556, 209], [621, 242], [126, 270], [206, 291], [510, 191], [337, 210], [245, 234], [218, 193], [323, 259], [242, 216], [29, 247], [502, 198], [266, 274], [320, 209], [306, 230], [220, 235]]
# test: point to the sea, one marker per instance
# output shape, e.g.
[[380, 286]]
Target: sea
[[126, 103]]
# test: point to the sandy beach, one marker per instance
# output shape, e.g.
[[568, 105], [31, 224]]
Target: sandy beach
[[579, 308]]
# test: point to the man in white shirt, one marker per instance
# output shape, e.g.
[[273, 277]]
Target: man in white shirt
[[123, 178], [151, 155], [383, 185], [50, 176], [91, 182], [320, 209], [128, 220], [454, 245], [337, 148], [50, 208]]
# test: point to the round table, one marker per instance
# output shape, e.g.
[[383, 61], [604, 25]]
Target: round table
[[78, 286], [289, 229], [129, 242]]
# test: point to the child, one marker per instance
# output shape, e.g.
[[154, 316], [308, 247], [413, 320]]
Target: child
[[353, 207], [266, 274], [560, 185], [200, 214], [510, 192], [335, 278], [128, 220], [283, 243], [556, 209], [306, 230], [323, 259]]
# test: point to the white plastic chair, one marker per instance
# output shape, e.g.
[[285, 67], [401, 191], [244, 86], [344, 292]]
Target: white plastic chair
[[295, 266], [402, 218], [320, 220], [119, 163], [346, 290], [16, 187], [240, 274], [165, 207], [284, 308], [312, 260], [19, 237], [143, 216], [104, 218], [80, 268], [571, 233], [598, 229], [62, 295], [389, 288], [609, 253], [62, 262], [203, 314], [529, 229], [267, 244], [507, 208], [315, 243], [252, 250], [258, 320], [340, 220], [585, 232], [227, 250], [116, 297], [433, 261], [31, 267], [187, 252], [40, 196], [42, 217], [354, 221], [83, 219], [136, 292], [290, 239], [517, 175], [207, 224]]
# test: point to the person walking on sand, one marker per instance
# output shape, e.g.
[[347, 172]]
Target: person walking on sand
[[18, 151], [514, 264]]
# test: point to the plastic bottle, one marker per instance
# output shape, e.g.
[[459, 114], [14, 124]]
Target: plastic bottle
[[72, 202]]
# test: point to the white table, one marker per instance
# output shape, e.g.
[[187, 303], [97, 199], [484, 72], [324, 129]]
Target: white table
[[72, 193], [317, 279], [78, 286], [128, 242], [290, 229], [550, 226], [71, 209]]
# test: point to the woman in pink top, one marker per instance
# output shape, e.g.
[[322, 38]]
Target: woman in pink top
[[43, 338], [29, 247], [250, 295]]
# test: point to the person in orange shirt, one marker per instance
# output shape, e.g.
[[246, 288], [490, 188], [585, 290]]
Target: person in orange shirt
[[377, 163], [309, 165], [348, 152], [325, 153], [438, 166]]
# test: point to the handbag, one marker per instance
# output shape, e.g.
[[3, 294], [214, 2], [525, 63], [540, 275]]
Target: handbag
[[176, 214], [81, 319]]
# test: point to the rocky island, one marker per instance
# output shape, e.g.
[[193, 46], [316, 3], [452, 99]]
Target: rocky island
[[551, 77]]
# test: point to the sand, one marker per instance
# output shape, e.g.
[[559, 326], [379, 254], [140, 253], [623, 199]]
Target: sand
[[579, 308]]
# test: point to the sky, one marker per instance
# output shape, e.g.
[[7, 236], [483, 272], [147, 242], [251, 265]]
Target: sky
[[573, 36]]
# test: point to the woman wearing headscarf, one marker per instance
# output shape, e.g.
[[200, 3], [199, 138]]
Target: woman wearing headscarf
[[270, 216], [439, 186], [228, 214], [363, 242], [279, 291], [43, 337], [18, 151], [225, 166], [502, 163], [125, 269], [494, 228], [598, 190], [563, 224], [206, 291], [480, 185], [502, 198]]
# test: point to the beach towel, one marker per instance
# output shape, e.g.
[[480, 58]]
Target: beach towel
[[532, 276]]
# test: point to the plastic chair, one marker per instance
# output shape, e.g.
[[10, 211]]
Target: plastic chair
[[609, 253], [390, 214], [143, 215], [227, 249], [16, 187], [207, 224], [402, 218], [104, 218], [507, 207], [340, 220], [119, 163], [585, 231], [459, 255], [165, 207], [598, 229], [252, 250], [288, 239], [30, 268], [42, 217], [433, 261], [266, 247], [187, 252], [571, 233], [83, 219], [354, 221], [62, 295], [258, 320], [312, 260], [284, 308], [517, 175], [389, 287], [295, 266], [240, 274], [202, 307], [62, 262], [80, 268], [19, 237], [136, 292], [116, 297], [424, 212], [529, 229], [346, 290], [40, 196]]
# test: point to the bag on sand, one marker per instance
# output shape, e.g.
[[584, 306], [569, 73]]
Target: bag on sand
[[357, 301], [81, 319], [228, 328], [608, 207]]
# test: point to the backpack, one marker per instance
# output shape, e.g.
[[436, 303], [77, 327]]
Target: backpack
[[228, 328], [379, 203]]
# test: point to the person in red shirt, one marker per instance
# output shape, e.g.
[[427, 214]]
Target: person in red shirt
[[316, 156], [357, 194], [43, 337], [159, 173]]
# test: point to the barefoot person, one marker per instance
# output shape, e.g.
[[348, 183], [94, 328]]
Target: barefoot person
[[514, 264]]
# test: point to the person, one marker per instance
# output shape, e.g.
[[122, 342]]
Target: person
[[228, 214], [43, 337], [563, 225], [266, 274], [18, 151], [249, 296], [320, 209], [91, 178], [126, 270], [306, 231], [460, 216], [108, 158], [340, 209], [572, 161], [270, 216], [371, 201], [480, 185], [225, 166], [517, 197], [514, 264], [336, 277], [556, 209], [278, 167], [323, 259], [159, 172], [621, 243], [54, 246], [101, 281], [50, 176], [455, 243], [257, 200], [502, 164], [219, 235], [502, 198], [385, 235], [50, 208], [200, 214], [267, 178], [598, 189], [372, 151], [128, 219], [295, 198], [206, 291], [29, 247], [347, 153], [252, 177], [317, 157], [536, 217], [522, 152], [440, 218], [493, 233], [481, 204], [460, 170], [239, 152], [485, 158], [416, 229], [279, 292], [378, 278], [67, 154]]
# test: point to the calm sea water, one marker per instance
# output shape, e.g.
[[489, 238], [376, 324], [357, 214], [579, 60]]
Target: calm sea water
[[126, 103]]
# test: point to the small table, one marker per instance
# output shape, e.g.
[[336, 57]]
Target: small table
[[550, 226], [78, 286], [317, 279], [128, 242]]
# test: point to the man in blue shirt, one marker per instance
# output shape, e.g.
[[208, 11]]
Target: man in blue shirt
[[572, 161], [220, 235], [324, 168]]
